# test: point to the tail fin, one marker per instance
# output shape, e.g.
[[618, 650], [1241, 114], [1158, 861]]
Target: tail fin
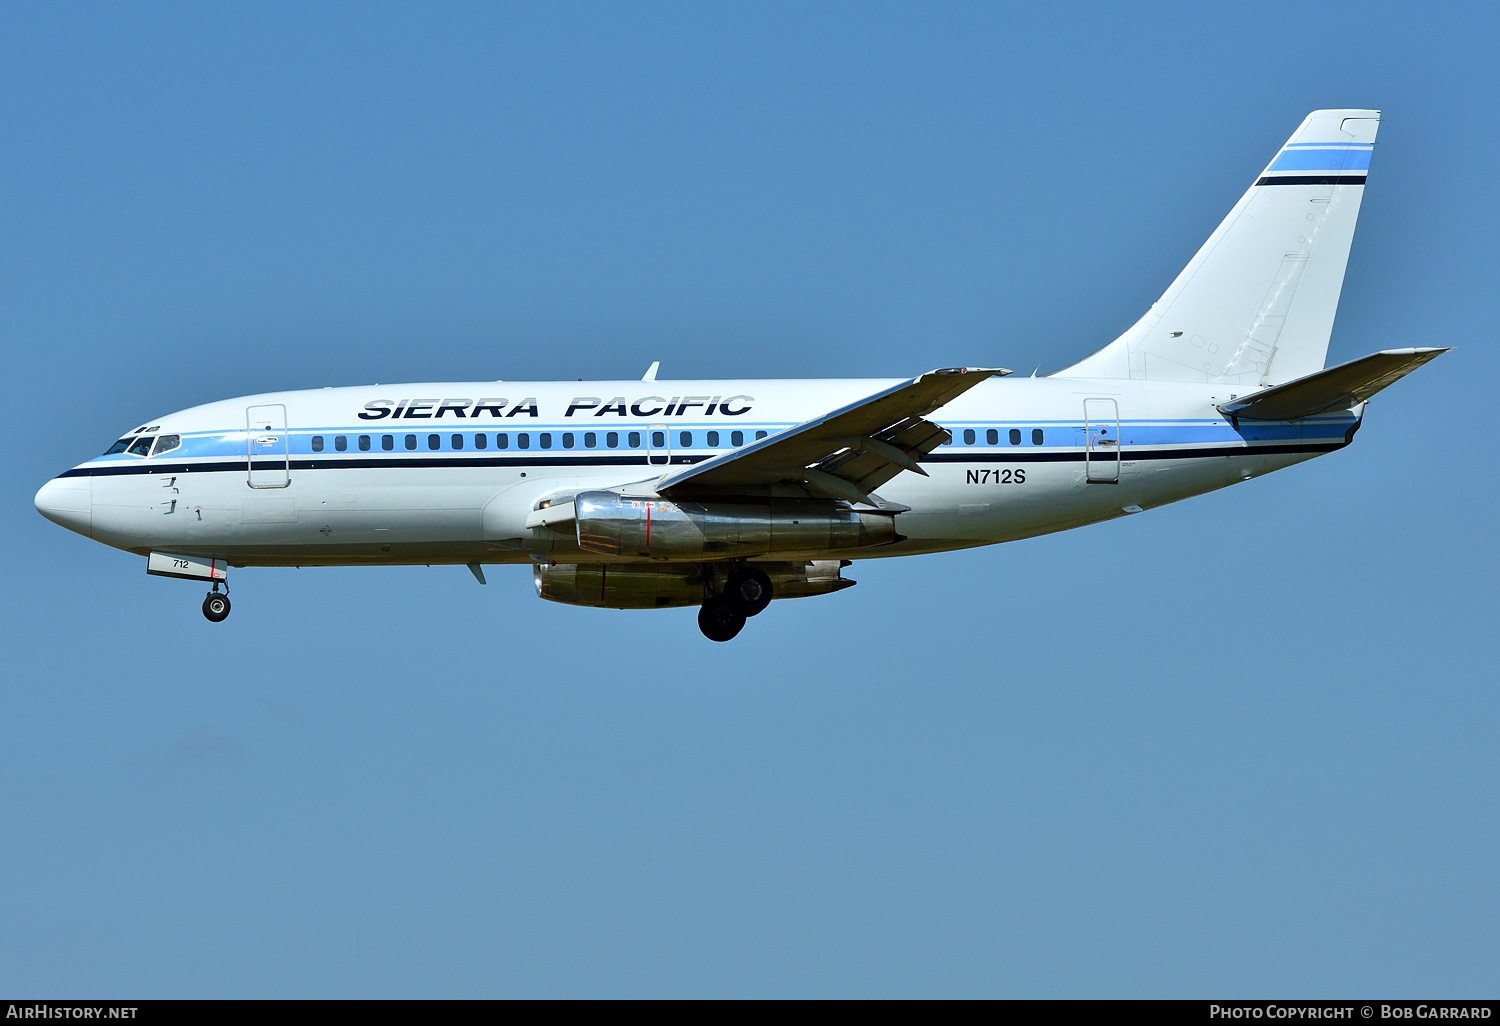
[[1255, 306]]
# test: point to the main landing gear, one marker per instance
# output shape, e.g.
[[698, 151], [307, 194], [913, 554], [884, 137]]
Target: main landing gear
[[216, 606], [747, 593], [720, 619]]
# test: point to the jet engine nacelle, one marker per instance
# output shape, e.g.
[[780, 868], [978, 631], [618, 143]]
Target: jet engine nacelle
[[657, 585], [619, 585], [660, 529]]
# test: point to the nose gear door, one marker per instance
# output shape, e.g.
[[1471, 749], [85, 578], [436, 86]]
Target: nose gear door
[[1101, 427], [269, 454]]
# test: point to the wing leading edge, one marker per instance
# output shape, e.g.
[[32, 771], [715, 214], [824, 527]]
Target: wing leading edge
[[845, 454]]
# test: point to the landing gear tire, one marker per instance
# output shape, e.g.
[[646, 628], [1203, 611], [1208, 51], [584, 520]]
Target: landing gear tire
[[720, 619], [749, 589], [216, 607]]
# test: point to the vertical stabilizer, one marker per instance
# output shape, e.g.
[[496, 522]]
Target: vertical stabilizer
[[1255, 306]]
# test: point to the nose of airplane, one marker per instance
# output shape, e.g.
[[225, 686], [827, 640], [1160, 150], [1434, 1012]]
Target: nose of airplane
[[68, 501]]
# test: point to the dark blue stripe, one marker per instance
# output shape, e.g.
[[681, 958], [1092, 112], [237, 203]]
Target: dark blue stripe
[[1312, 180], [1129, 454]]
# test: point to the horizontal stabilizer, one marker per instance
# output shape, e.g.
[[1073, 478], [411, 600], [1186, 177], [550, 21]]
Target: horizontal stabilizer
[[1337, 388]]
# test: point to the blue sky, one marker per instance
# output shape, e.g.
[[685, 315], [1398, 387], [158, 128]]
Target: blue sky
[[1244, 745]]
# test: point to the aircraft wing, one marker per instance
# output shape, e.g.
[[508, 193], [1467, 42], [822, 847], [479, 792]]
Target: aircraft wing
[[1338, 387], [847, 453]]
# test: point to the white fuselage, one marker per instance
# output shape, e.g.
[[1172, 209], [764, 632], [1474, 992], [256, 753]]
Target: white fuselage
[[449, 472]]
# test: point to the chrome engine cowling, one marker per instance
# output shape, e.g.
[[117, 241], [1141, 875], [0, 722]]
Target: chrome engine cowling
[[611, 524], [620, 585], [655, 585]]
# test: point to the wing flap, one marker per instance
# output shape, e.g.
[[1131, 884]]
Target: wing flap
[[863, 445], [1338, 387], [867, 463]]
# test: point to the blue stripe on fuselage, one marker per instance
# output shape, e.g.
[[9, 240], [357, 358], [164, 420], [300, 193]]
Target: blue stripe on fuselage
[[1063, 441], [585, 459]]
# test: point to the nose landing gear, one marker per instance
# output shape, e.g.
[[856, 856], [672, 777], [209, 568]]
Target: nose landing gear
[[216, 606]]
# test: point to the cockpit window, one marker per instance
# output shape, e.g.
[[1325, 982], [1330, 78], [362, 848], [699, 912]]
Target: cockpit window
[[141, 446], [118, 446], [166, 443]]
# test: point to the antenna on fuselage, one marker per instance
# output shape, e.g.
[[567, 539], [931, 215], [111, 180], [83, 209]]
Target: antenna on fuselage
[[650, 374]]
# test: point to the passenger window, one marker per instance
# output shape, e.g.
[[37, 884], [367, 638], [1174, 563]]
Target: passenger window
[[1015, 436], [991, 437], [434, 441], [658, 439], [341, 443], [166, 443], [141, 446], [502, 441], [590, 440], [481, 441], [759, 435], [713, 439], [685, 439], [546, 437], [968, 436], [458, 441], [634, 439], [387, 442], [567, 439], [364, 443], [612, 439], [736, 438], [411, 442], [317, 443], [1036, 436], [523, 440]]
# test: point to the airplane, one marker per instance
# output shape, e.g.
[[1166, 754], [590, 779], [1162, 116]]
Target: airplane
[[727, 495]]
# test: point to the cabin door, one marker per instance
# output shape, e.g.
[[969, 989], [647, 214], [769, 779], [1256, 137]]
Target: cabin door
[[658, 445], [1101, 428], [269, 451]]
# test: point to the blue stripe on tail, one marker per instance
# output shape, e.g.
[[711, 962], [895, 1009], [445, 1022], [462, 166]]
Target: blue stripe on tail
[[1322, 159]]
